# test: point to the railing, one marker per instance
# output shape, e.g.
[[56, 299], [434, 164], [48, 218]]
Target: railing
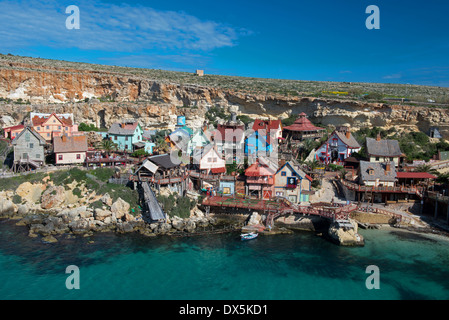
[[410, 190]]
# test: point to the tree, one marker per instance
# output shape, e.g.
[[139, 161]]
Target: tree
[[107, 145]]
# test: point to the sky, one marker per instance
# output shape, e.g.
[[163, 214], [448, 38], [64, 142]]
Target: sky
[[324, 40]]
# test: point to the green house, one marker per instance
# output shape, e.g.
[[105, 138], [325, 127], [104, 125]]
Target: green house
[[125, 135]]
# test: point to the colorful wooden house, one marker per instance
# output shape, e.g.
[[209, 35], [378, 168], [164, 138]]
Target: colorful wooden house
[[12, 132], [382, 150], [260, 179], [292, 183], [340, 145], [70, 150], [29, 150], [125, 135], [229, 137], [256, 144], [198, 140], [302, 129], [53, 125], [268, 129]]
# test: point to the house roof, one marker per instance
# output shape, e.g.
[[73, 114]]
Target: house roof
[[37, 135], [163, 161], [41, 119], [267, 124], [260, 168], [18, 127], [350, 142], [123, 129], [299, 172], [383, 148], [378, 171], [302, 124], [64, 144], [415, 175], [227, 133]]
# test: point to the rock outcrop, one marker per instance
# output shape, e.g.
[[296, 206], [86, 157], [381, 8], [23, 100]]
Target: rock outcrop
[[346, 233]]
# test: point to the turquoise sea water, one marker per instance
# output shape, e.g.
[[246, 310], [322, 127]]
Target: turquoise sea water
[[282, 267]]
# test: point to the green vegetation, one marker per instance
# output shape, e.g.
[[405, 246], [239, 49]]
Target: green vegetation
[[216, 113], [140, 153], [13, 182], [176, 206], [17, 199], [85, 127]]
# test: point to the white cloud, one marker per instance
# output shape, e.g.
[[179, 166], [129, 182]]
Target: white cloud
[[109, 27]]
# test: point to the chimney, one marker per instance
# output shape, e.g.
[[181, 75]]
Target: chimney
[[387, 168], [64, 138], [348, 134], [378, 137], [233, 117]]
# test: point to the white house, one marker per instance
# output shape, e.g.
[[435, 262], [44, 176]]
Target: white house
[[339, 146]]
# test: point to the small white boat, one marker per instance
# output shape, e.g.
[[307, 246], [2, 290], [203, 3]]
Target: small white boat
[[248, 236]]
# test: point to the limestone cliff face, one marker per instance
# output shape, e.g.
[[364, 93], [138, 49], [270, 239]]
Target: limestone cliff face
[[156, 103]]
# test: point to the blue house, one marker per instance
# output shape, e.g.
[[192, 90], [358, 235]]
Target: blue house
[[125, 135], [256, 143]]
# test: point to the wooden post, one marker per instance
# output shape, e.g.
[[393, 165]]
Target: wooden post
[[436, 206], [447, 215]]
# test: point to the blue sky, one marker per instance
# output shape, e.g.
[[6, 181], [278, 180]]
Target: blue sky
[[304, 40]]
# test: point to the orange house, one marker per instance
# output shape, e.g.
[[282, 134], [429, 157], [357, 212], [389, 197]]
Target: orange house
[[260, 177], [53, 125]]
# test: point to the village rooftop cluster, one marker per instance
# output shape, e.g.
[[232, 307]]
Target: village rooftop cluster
[[224, 160]]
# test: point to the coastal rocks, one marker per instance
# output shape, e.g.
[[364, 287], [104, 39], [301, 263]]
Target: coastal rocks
[[119, 208], [254, 219], [344, 232], [30, 193], [53, 197], [7, 208], [101, 214]]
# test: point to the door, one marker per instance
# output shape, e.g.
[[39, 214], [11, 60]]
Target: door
[[267, 194], [293, 199]]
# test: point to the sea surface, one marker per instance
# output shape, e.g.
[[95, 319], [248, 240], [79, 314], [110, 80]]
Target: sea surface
[[221, 267]]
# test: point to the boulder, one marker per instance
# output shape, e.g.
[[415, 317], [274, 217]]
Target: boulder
[[119, 208], [346, 236], [7, 208], [124, 227], [106, 199], [49, 239], [53, 197], [29, 192], [255, 219], [22, 210], [164, 228], [101, 214], [190, 226], [178, 223], [79, 226]]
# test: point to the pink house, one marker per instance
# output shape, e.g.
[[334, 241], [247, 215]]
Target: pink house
[[53, 125]]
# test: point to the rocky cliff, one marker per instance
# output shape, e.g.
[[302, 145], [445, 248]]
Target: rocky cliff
[[156, 103]]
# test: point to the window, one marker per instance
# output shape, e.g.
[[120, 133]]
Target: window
[[209, 159], [126, 138], [215, 159], [78, 156], [47, 127], [38, 128], [59, 127], [283, 173], [31, 145], [391, 158], [25, 156], [377, 158], [115, 137], [60, 157], [48, 134], [27, 137], [38, 155]]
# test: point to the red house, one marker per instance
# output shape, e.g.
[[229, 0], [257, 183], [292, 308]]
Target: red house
[[260, 179]]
